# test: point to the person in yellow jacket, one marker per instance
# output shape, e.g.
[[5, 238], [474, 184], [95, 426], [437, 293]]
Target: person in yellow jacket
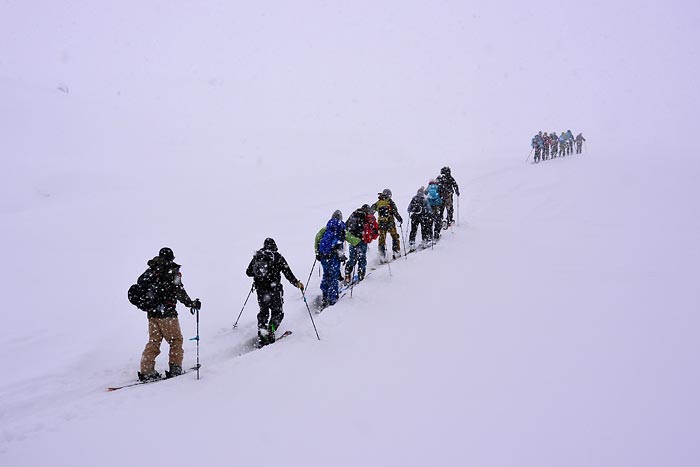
[[386, 213]]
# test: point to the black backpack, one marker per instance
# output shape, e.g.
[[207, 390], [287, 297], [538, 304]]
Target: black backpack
[[144, 294], [263, 263]]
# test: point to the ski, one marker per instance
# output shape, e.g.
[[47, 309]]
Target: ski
[[139, 383], [317, 303], [277, 339], [417, 249]]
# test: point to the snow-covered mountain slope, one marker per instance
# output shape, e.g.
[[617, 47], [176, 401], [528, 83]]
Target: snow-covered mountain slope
[[554, 320], [556, 325]]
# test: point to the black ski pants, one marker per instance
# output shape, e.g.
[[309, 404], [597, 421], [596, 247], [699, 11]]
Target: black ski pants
[[425, 223], [270, 301]]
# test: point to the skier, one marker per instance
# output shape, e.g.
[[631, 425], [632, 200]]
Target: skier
[[545, 146], [362, 228], [266, 268], [435, 203], [330, 251], [563, 144], [448, 186], [537, 145], [387, 211], [163, 282], [570, 141], [579, 142], [555, 144], [420, 214]]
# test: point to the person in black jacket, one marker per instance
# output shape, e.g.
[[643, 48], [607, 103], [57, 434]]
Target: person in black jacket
[[164, 282], [266, 269], [448, 186], [420, 214]]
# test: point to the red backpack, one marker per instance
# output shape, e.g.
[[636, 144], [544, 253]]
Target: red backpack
[[371, 230]]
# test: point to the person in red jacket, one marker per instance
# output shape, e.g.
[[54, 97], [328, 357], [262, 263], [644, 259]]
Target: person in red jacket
[[362, 228]]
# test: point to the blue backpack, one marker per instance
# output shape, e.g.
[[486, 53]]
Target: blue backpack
[[434, 195], [334, 235]]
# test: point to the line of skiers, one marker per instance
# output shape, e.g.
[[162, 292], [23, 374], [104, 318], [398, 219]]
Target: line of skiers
[[549, 146], [426, 210], [160, 287]]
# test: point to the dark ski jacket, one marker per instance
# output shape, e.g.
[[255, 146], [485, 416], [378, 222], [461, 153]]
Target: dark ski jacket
[[165, 279], [448, 185], [419, 207], [279, 267]]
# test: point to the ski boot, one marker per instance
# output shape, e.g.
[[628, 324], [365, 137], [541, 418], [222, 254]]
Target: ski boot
[[263, 334], [382, 255], [149, 376], [175, 370]]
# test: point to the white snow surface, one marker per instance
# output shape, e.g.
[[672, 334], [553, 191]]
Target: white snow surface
[[557, 324]]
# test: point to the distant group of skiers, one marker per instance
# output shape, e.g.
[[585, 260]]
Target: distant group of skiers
[[160, 287], [548, 146]]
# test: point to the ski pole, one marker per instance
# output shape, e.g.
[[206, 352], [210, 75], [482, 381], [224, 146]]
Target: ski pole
[[312, 318], [528, 156], [457, 210], [197, 343], [195, 311], [352, 279], [244, 304], [403, 237], [311, 273]]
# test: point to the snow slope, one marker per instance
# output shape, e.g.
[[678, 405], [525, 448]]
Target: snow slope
[[551, 327], [555, 326]]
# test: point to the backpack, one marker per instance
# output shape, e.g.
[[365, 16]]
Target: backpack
[[384, 209], [434, 195], [356, 223], [263, 263], [144, 294], [332, 238]]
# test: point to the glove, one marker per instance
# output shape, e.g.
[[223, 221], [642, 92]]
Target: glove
[[300, 285], [195, 305], [343, 258], [318, 256], [457, 192]]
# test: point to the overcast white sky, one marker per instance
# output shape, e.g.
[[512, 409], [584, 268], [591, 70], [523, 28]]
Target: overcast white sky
[[448, 76]]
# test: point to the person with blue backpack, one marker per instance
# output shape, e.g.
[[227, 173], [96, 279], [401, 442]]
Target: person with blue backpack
[[563, 145], [330, 251], [570, 141], [435, 203]]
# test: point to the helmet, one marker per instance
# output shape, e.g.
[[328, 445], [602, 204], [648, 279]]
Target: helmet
[[445, 170], [421, 191], [269, 244], [337, 215], [366, 208], [386, 192], [166, 254]]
